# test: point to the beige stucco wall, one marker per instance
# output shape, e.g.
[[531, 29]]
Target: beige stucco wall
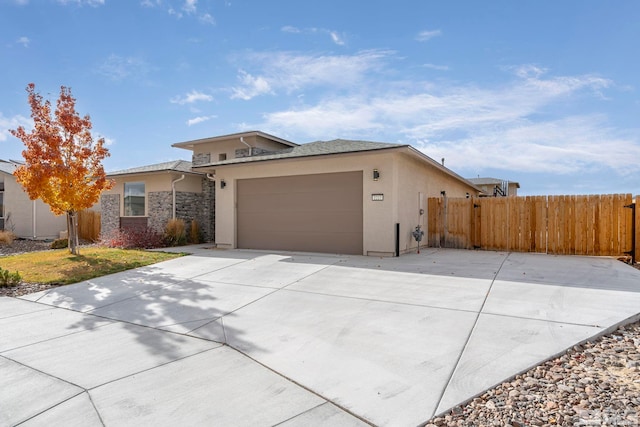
[[21, 209], [401, 180], [418, 180], [153, 182]]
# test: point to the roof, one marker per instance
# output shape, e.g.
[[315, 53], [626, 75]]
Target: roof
[[8, 166], [188, 145], [181, 166], [317, 148], [491, 181]]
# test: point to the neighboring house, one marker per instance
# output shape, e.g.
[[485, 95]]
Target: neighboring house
[[340, 196], [492, 187], [31, 219], [149, 196]]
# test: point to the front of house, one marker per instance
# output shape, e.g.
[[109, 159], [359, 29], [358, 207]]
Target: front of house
[[340, 196], [253, 190]]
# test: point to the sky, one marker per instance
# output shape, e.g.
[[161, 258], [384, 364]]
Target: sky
[[545, 93]]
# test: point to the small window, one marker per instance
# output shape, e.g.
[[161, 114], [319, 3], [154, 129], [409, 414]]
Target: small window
[[134, 199], [222, 156]]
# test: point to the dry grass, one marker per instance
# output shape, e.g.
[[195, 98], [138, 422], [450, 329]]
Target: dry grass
[[60, 267], [7, 237]]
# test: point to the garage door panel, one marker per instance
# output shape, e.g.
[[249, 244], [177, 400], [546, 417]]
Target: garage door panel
[[300, 202], [343, 222], [315, 213], [348, 243]]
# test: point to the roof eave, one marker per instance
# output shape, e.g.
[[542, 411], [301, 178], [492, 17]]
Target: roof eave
[[189, 145], [258, 159]]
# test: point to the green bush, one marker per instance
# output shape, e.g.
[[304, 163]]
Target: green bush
[[9, 279], [60, 244]]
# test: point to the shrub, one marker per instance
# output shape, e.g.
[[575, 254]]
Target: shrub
[[137, 238], [60, 244], [175, 232], [195, 236], [7, 237], [9, 279]]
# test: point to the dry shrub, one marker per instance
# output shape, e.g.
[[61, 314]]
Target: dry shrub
[[7, 237], [195, 236], [175, 232], [143, 238]]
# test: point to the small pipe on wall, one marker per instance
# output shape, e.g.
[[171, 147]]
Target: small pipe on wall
[[173, 191]]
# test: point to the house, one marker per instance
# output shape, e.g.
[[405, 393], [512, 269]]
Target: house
[[149, 196], [339, 196], [493, 187], [31, 219]]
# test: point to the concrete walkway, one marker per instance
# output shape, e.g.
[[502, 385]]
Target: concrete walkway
[[264, 339]]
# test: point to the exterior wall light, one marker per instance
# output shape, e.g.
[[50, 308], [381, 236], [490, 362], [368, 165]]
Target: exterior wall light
[[376, 175], [222, 184]]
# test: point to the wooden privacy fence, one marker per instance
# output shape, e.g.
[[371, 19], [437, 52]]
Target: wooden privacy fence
[[89, 225], [571, 225]]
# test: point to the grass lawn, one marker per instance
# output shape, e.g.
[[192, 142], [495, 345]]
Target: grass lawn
[[61, 268]]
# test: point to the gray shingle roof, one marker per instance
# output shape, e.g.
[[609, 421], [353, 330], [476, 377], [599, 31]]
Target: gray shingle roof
[[8, 166], [174, 165], [318, 148]]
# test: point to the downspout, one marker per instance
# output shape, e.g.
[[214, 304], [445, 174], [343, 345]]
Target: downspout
[[173, 191], [250, 147]]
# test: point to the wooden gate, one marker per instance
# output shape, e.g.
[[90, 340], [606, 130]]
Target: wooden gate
[[571, 225]]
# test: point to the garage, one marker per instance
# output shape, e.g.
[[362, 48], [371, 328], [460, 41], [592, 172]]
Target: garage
[[311, 213]]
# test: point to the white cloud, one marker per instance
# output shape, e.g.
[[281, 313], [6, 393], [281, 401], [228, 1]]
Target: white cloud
[[503, 127], [207, 19], [117, 67], [7, 123], [426, 35], [251, 86], [24, 41], [190, 6], [335, 36], [200, 119], [284, 71], [191, 97]]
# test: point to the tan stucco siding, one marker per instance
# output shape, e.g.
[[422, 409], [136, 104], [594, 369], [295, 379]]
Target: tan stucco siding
[[418, 181], [377, 216], [21, 210]]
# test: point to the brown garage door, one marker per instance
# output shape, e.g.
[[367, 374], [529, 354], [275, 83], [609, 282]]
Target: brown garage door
[[311, 213]]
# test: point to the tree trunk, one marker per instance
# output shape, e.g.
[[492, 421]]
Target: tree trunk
[[72, 232]]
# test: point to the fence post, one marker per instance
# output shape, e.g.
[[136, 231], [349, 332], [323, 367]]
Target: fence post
[[634, 221]]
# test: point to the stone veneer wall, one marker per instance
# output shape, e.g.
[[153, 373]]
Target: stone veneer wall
[[201, 159], [159, 209], [189, 206], [255, 151], [208, 224], [109, 213]]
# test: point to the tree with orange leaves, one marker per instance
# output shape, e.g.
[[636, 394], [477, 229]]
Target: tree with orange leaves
[[62, 163]]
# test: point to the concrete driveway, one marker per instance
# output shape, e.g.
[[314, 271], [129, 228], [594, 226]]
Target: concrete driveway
[[265, 339]]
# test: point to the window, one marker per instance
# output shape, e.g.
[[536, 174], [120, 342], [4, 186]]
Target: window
[[222, 157], [134, 199]]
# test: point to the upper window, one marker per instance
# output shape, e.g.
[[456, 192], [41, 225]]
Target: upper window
[[222, 156], [134, 199]]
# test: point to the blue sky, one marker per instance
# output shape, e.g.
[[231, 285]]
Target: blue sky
[[546, 93]]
